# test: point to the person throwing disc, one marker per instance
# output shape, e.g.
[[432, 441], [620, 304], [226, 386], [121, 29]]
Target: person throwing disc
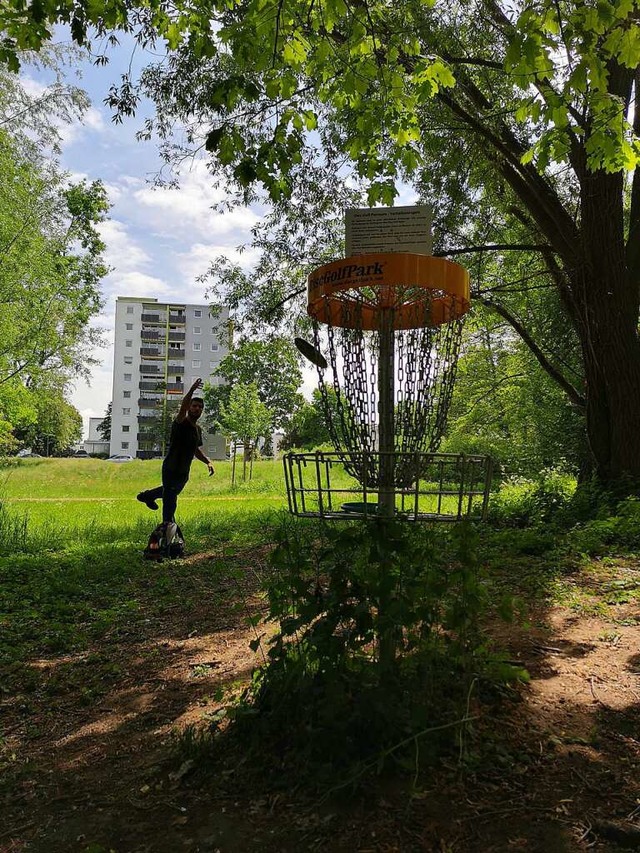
[[185, 444]]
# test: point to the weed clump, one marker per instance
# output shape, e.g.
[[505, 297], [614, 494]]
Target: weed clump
[[377, 651]]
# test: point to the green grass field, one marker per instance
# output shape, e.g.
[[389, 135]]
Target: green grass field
[[83, 499], [52, 503], [71, 540]]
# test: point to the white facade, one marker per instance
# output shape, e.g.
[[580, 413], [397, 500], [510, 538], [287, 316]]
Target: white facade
[[161, 348], [95, 442]]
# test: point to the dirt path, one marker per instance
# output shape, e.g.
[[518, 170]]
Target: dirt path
[[95, 772]]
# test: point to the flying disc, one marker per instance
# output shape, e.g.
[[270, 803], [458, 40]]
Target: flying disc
[[310, 352]]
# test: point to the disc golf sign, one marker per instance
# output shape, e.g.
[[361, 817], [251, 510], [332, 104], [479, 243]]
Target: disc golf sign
[[388, 229]]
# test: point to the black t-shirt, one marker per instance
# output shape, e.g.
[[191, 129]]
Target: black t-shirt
[[185, 439]]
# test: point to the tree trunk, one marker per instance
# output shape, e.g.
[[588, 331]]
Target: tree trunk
[[612, 367], [607, 293]]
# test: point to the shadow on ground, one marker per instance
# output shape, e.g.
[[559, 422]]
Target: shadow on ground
[[89, 762]]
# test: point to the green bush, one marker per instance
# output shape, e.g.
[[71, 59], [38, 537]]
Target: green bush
[[522, 502], [621, 530], [378, 644]]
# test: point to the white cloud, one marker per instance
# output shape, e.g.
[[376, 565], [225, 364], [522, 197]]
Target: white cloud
[[123, 253], [70, 132], [94, 119], [187, 210], [139, 284], [198, 258]]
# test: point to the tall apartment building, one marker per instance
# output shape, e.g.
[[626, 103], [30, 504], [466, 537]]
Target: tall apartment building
[[161, 348]]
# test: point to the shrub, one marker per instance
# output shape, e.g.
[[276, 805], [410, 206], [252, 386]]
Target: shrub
[[522, 502], [378, 644], [621, 530]]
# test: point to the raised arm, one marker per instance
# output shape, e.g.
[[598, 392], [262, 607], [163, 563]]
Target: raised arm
[[186, 402]]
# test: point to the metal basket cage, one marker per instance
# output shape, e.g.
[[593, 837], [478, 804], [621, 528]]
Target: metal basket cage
[[434, 487]]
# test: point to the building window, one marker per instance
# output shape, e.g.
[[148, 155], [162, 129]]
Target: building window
[[127, 377], [196, 363], [126, 411], [213, 364], [197, 347], [129, 309], [128, 343], [126, 394], [128, 359], [125, 445], [214, 347], [129, 326], [197, 312], [197, 330], [126, 428]]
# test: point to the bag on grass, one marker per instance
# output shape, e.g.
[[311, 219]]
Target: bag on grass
[[166, 542]]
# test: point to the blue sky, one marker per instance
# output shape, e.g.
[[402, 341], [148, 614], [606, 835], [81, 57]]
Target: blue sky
[[158, 240]]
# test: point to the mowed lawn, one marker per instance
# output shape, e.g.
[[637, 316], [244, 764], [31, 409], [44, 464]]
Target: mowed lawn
[[79, 492]]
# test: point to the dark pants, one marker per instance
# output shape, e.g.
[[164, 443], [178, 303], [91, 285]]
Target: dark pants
[[173, 482]]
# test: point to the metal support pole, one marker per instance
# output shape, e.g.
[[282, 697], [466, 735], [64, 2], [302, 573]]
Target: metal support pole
[[386, 492], [386, 403]]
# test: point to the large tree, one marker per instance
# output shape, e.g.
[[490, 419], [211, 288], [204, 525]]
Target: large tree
[[532, 101], [50, 267], [57, 425], [272, 365]]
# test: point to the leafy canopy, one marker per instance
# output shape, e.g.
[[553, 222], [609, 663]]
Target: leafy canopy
[[285, 66], [271, 365]]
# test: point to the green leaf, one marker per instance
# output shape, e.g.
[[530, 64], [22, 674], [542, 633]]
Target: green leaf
[[629, 50], [173, 36], [213, 139], [245, 172]]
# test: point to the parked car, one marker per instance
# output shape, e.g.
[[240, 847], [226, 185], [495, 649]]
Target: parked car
[[120, 457], [28, 454], [80, 454]]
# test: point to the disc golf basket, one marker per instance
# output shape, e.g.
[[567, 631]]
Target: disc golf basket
[[390, 327]]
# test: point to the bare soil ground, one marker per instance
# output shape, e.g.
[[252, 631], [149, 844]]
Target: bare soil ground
[[95, 771]]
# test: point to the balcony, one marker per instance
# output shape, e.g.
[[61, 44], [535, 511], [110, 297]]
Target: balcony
[[149, 403], [150, 368], [175, 368], [176, 336], [151, 335], [154, 318], [177, 318], [147, 418], [147, 352], [150, 386], [176, 353], [175, 387]]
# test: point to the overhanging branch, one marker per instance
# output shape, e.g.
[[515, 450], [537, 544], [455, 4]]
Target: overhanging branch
[[570, 390], [494, 247]]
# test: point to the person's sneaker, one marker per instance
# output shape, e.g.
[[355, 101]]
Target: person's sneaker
[[142, 497]]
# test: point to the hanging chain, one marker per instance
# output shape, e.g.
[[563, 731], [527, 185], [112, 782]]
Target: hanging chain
[[426, 360]]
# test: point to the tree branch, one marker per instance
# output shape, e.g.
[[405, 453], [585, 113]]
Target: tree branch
[[570, 390], [550, 215], [495, 247], [473, 60]]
